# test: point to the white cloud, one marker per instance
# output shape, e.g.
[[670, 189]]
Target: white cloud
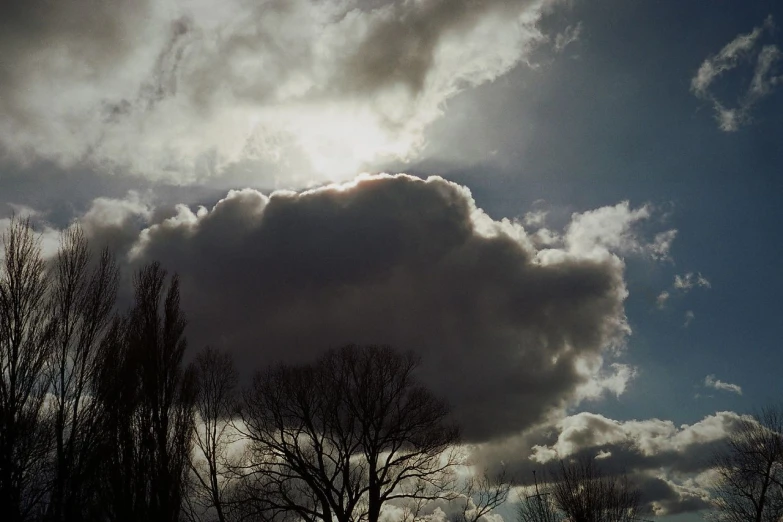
[[603, 454], [669, 463], [569, 35], [113, 212], [711, 381], [659, 249], [742, 49], [535, 218], [614, 229], [181, 90], [690, 280], [681, 286], [613, 379], [650, 438], [689, 317], [48, 236]]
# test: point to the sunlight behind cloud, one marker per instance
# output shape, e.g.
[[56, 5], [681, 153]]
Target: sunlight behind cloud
[[322, 88]]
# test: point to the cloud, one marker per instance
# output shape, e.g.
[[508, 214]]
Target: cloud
[[570, 34], [669, 463], [711, 382], [416, 264], [653, 442], [744, 48], [662, 299], [681, 286], [535, 218], [689, 317], [180, 90], [445, 510], [412, 263], [612, 379], [116, 222], [690, 280], [596, 232], [48, 236]]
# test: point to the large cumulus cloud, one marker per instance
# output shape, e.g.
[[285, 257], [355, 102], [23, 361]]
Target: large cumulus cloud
[[516, 325], [180, 89], [508, 329]]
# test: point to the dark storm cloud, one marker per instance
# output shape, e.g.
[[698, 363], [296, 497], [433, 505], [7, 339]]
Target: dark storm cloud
[[507, 331]]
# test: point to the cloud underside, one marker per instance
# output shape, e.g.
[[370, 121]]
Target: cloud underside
[[181, 90]]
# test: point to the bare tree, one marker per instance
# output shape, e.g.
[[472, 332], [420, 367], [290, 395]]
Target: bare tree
[[750, 471], [25, 349], [147, 400], [481, 494], [82, 299], [337, 439], [538, 505], [580, 492], [216, 401]]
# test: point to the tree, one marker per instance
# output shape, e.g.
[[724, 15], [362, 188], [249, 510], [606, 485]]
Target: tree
[[25, 349], [337, 439], [81, 304], [215, 403], [147, 398], [481, 494], [96, 410], [580, 492], [538, 505], [749, 467]]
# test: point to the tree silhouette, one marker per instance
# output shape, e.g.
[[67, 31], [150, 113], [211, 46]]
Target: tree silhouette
[[750, 471], [481, 494], [337, 439], [101, 420], [25, 350], [215, 403], [147, 399], [579, 491], [81, 305]]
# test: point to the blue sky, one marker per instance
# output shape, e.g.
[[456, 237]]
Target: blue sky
[[556, 107]]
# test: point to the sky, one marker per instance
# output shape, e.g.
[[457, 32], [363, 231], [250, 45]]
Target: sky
[[568, 208]]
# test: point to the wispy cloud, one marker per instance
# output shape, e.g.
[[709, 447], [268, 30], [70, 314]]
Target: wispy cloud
[[743, 48], [570, 34], [662, 298], [691, 280], [682, 285], [689, 317], [711, 381]]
